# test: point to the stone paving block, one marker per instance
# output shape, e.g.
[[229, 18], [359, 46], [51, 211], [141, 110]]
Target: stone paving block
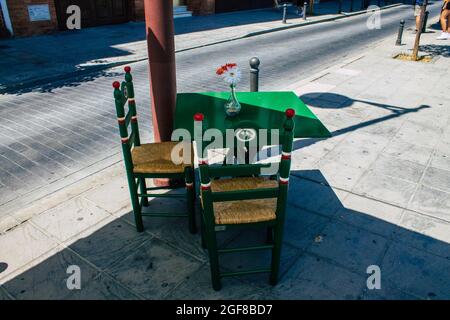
[[153, 269], [382, 120], [4, 295], [409, 151], [416, 272], [365, 140], [48, 279], [198, 286], [437, 178], [398, 168], [117, 189], [173, 230], [21, 246], [314, 278], [432, 202], [314, 196], [340, 175], [374, 216], [103, 287], [109, 244], [312, 147], [70, 218], [348, 246], [440, 160], [386, 292], [302, 227], [386, 188], [419, 134], [256, 259], [356, 156], [424, 233]]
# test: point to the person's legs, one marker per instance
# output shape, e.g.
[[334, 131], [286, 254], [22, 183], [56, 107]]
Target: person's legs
[[445, 25], [444, 21], [417, 15], [447, 15]]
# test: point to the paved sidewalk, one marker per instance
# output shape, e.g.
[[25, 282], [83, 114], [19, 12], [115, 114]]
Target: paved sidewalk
[[376, 193], [34, 60]]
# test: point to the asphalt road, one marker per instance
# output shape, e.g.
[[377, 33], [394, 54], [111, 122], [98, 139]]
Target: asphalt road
[[46, 137]]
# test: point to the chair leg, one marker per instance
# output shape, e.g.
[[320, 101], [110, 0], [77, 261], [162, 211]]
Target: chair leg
[[202, 233], [136, 210], [190, 199], [269, 236], [143, 187], [211, 242], [276, 253]]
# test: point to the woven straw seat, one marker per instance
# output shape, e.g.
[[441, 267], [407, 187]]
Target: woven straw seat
[[244, 211], [156, 158]]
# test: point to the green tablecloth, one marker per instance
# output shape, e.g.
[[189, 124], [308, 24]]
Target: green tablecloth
[[260, 110]]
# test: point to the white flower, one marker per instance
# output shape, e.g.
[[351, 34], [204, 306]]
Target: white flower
[[232, 76]]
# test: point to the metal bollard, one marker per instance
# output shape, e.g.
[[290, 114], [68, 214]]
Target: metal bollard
[[304, 10], [254, 74], [425, 22], [284, 12], [400, 33]]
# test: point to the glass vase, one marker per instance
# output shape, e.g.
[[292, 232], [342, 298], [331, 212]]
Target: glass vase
[[232, 106]]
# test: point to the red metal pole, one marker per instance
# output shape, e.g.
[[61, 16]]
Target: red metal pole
[[161, 53]]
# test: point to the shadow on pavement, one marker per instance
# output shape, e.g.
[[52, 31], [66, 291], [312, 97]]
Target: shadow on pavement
[[328, 248], [436, 50]]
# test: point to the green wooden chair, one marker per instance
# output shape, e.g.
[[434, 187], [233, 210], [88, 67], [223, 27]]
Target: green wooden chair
[[238, 195], [150, 160]]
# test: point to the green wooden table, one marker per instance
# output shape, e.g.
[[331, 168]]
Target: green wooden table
[[260, 110]]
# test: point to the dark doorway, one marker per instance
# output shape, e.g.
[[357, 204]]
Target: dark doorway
[[94, 12], [235, 5]]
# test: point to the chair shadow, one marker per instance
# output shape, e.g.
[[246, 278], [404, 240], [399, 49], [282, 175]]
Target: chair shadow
[[327, 249]]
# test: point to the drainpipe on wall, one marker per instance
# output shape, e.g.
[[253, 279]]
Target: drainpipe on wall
[[5, 12]]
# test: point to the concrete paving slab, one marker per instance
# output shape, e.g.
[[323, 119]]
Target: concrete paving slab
[[174, 231], [382, 187], [409, 151], [256, 259], [153, 269], [103, 287], [70, 219], [198, 286], [374, 216], [440, 160], [398, 168], [314, 196], [302, 227], [48, 279], [22, 245], [315, 278], [437, 178], [431, 201], [108, 244], [350, 247], [387, 292], [4, 296], [416, 272], [424, 233]]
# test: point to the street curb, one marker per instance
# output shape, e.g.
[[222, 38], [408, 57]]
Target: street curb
[[36, 82], [338, 17]]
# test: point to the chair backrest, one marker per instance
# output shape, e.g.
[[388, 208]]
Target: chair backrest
[[208, 172], [123, 94]]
